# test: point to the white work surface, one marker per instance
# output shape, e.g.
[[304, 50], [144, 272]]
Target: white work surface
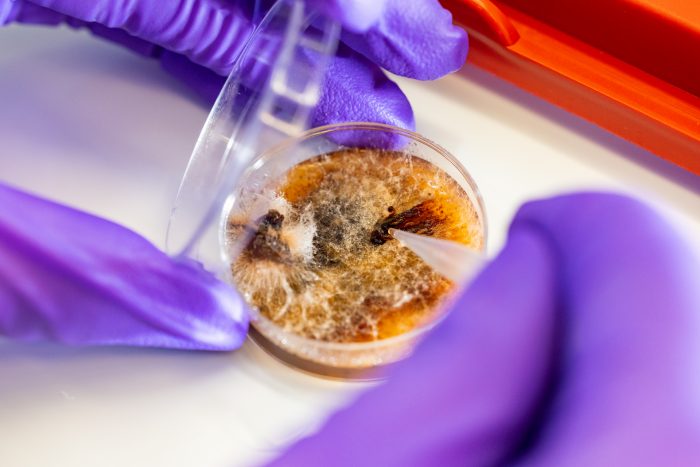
[[94, 126]]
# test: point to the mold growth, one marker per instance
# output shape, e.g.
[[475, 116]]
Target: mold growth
[[318, 259]]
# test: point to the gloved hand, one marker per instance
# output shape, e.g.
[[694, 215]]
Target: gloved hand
[[577, 346], [71, 277], [198, 40]]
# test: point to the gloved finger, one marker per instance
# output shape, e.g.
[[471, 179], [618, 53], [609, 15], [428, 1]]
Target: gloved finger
[[415, 39], [71, 277], [355, 90], [358, 90], [603, 366], [628, 388], [467, 394], [209, 32]]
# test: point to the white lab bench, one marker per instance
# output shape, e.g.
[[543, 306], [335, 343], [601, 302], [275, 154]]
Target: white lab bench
[[94, 126]]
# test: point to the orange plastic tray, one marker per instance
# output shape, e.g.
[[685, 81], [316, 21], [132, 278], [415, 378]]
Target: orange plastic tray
[[631, 66]]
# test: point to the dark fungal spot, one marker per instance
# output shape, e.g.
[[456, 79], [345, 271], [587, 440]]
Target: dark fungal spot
[[267, 243], [273, 219], [421, 219]]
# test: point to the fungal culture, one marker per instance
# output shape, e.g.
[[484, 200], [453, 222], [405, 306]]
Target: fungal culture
[[332, 291]]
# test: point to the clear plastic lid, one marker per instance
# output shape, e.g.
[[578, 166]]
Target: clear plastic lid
[[268, 97], [256, 133]]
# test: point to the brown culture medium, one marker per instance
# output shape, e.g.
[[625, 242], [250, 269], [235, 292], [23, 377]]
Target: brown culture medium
[[321, 263]]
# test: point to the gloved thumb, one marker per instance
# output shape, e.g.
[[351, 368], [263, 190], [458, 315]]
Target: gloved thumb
[[577, 345], [70, 277], [469, 390]]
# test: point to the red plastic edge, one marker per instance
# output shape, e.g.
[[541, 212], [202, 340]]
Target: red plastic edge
[[628, 101]]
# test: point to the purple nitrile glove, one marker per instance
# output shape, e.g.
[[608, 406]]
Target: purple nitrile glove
[[577, 346], [198, 41], [71, 277]]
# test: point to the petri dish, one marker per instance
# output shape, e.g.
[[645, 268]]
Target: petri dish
[[320, 351], [257, 132]]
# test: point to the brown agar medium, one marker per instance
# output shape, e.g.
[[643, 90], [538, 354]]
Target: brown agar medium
[[319, 265]]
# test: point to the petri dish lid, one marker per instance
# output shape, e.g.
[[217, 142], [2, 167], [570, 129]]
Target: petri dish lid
[[269, 96]]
